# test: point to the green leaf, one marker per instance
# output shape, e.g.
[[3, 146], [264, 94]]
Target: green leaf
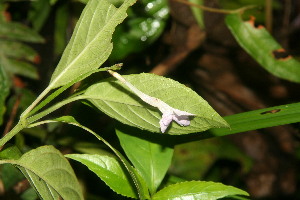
[[248, 121], [61, 25], [148, 155], [262, 118], [109, 170], [263, 48], [29, 194], [10, 152], [22, 68], [197, 190], [114, 99], [4, 91], [138, 181], [198, 13], [194, 160], [16, 31], [10, 176], [49, 173], [145, 23], [39, 13], [90, 44], [17, 50]]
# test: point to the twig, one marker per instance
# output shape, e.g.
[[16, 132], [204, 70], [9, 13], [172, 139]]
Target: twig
[[12, 115], [269, 16], [216, 10]]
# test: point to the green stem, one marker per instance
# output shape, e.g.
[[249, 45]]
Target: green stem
[[25, 114], [53, 108], [20, 125]]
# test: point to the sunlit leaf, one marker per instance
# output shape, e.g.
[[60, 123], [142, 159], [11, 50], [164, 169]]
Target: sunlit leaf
[[110, 170], [114, 99], [197, 190], [49, 173], [149, 157], [90, 44], [263, 48]]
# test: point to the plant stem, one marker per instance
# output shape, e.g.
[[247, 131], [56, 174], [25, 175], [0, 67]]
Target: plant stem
[[53, 108], [25, 114], [20, 125], [269, 17]]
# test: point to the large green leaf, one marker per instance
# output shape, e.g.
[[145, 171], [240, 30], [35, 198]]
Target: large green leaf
[[49, 173], [114, 99], [197, 190], [90, 44], [110, 170], [150, 158], [263, 48], [4, 91]]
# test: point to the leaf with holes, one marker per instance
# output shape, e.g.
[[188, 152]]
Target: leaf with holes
[[117, 101], [263, 48], [49, 173], [90, 44]]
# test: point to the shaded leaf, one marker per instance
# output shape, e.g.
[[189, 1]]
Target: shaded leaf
[[49, 173], [262, 47], [39, 13], [90, 44], [194, 160], [61, 26], [22, 68], [13, 49], [16, 31], [150, 158], [145, 23], [4, 91], [108, 169], [197, 190], [198, 13], [10, 176], [114, 99]]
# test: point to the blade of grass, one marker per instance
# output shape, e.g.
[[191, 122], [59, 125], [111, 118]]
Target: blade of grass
[[248, 121]]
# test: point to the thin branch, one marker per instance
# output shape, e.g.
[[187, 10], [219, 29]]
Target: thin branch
[[12, 115], [216, 10], [269, 15]]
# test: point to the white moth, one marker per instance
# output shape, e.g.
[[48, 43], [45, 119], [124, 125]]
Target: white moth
[[168, 113]]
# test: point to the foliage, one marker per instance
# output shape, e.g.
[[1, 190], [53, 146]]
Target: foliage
[[143, 173]]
